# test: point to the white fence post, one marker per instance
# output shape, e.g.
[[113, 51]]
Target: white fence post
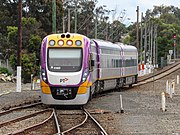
[[121, 104], [18, 82], [177, 79], [167, 87], [163, 101], [170, 90], [173, 87]]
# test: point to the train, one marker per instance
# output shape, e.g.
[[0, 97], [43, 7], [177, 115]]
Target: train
[[75, 67]]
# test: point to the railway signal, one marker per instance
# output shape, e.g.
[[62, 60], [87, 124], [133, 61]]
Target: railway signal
[[174, 36], [174, 44]]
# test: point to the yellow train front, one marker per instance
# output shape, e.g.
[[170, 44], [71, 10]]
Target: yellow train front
[[65, 66]]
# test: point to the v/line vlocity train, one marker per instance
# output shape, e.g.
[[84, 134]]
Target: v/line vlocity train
[[74, 67]]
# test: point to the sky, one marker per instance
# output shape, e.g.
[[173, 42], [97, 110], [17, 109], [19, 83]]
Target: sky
[[128, 7]]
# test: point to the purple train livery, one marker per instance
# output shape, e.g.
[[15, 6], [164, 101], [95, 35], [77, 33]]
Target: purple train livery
[[74, 67]]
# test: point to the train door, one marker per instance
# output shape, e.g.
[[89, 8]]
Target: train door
[[121, 80], [94, 63]]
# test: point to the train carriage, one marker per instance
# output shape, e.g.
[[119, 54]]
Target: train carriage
[[73, 67]]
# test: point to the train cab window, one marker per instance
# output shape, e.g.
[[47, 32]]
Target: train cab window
[[64, 60]]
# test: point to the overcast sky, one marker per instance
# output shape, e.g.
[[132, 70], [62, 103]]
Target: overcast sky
[[131, 5]]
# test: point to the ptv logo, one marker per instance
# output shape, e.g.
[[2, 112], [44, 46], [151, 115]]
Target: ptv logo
[[63, 80]]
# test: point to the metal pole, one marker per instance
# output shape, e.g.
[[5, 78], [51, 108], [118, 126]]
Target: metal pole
[[151, 41], [75, 25], [69, 21], [107, 25], [63, 17], [53, 16], [141, 48], [96, 27], [63, 25], [145, 41], [19, 34], [156, 46], [18, 82], [137, 29], [174, 49]]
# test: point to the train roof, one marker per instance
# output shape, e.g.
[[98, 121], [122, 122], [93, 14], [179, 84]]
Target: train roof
[[118, 45], [127, 47], [106, 44]]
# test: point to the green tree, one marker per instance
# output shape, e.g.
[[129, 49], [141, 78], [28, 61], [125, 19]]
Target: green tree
[[165, 19], [30, 47]]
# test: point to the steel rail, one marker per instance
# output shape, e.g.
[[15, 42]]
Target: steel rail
[[172, 67], [57, 123], [158, 76], [77, 125], [19, 107], [103, 132], [22, 118], [34, 126]]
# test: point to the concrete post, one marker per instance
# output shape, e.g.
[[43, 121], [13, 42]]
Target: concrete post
[[18, 82]]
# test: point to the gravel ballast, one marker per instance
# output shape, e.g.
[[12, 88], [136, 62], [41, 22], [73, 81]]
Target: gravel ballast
[[141, 104]]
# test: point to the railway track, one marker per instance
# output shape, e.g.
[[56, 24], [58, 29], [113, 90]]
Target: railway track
[[29, 119], [35, 119], [79, 122], [158, 75]]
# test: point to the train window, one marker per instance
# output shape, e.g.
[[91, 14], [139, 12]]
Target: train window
[[64, 60]]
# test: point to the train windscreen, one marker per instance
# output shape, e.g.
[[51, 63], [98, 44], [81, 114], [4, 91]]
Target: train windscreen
[[64, 59]]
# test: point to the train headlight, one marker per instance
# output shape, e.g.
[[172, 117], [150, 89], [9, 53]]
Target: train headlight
[[60, 42], [69, 42], [85, 74], [51, 42], [78, 43], [43, 75]]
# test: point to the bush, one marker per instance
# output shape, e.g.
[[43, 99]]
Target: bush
[[4, 70]]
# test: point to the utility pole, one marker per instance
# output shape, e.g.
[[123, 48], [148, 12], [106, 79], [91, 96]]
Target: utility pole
[[96, 27], [75, 17], [18, 82], [63, 21], [107, 26], [137, 29], [53, 16], [63, 25], [151, 41], [145, 40], [154, 47], [69, 21], [174, 39], [19, 34], [141, 44]]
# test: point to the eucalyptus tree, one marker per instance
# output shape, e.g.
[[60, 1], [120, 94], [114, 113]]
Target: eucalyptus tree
[[42, 11], [30, 46], [167, 22]]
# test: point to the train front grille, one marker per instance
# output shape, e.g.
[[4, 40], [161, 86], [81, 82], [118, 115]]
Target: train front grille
[[63, 93]]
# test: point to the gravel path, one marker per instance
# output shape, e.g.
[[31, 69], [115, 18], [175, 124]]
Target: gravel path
[[142, 109], [11, 98]]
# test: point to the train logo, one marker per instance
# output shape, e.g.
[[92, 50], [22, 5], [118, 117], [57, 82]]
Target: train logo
[[63, 80]]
